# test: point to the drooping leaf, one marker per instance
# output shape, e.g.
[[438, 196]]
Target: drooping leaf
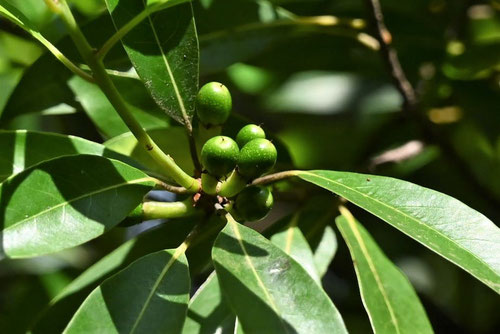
[[293, 243], [173, 140], [149, 296], [267, 289], [103, 114], [207, 312], [445, 225], [55, 318], [65, 202], [164, 51], [388, 297], [22, 149]]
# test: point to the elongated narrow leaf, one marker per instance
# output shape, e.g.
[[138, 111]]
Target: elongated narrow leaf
[[267, 289], [164, 52], [325, 250], [67, 201], [388, 297], [22, 149], [440, 222], [207, 312], [292, 242], [149, 296], [61, 309]]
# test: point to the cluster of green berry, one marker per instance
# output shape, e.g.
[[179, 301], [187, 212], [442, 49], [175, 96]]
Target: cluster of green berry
[[228, 169]]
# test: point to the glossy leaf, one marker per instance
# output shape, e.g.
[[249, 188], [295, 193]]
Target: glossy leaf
[[267, 289], [149, 296], [388, 297], [173, 140], [207, 312], [65, 202], [61, 309], [164, 52], [292, 242], [325, 250], [103, 114], [22, 149], [440, 222]]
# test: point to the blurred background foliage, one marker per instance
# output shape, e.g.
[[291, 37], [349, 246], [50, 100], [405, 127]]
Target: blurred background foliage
[[308, 70]]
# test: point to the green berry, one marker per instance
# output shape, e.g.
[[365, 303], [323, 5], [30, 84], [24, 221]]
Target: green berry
[[248, 133], [256, 158], [254, 203], [213, 104], [219, 155]]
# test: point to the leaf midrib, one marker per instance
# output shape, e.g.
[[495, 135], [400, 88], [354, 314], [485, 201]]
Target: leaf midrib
[[373, 269], [418, 222], [90, 194]]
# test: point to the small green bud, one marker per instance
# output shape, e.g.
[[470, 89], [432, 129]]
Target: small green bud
[[213, 104], [254, 203], [248, 133], [256, 158], [219, 155]]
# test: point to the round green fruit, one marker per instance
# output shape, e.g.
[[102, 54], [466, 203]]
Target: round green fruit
[[248, 133], [254, 203], [256, 158], [213, 104], [219, 155]]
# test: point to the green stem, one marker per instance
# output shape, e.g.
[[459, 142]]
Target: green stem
[[164, 210], [232, 185], [274, 177], [125, 29], [107, 86]]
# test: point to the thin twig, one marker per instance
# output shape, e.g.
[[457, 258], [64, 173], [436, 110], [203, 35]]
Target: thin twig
[[274, 177], [390, 56], [171, 188]]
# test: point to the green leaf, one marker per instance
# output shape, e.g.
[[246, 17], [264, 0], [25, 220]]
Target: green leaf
[[22, 149], [149, 296], [445, 225], [61, 309], [258, 276], [65, 202], [207, 312], [293, 243], [103, 114], [388, 297], [173, 140], [325, 250], [164, 51]]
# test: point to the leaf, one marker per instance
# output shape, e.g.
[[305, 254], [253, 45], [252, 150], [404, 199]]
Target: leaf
[[103, 114], [267, 289], [22, 149], [164, 51], [173, 140], [65, 202], [207, 312], [149, 296], [388, 297], [325, 251], [61, 309], [293, 243], [438, 221]]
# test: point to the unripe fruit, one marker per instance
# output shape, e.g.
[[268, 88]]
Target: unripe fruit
[[248, 133], [213, 104], [256, 158], [219, 155], [254, 203]]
